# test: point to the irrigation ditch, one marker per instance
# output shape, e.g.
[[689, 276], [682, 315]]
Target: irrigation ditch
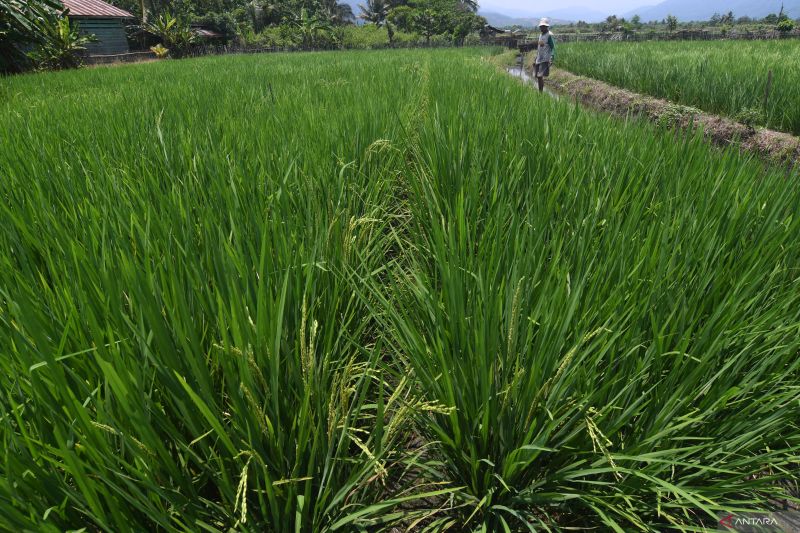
[[772, 146]]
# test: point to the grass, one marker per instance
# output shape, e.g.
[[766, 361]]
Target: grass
[[348, 291], [722, 77]]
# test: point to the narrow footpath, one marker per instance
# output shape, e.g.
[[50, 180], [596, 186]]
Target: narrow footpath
[[775, 147]]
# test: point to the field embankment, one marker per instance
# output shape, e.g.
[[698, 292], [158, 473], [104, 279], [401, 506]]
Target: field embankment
[[730, 78], [338, 292], [770, 145]]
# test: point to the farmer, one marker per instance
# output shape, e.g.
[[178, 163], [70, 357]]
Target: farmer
[[545, 53]]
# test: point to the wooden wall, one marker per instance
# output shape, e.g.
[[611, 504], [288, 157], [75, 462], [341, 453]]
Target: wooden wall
[[110, 33]]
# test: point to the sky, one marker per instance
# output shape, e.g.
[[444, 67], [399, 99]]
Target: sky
[[531, 6]]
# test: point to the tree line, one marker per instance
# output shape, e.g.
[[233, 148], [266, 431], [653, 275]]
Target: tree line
[[311, 22], [36, 34], [719, 21]]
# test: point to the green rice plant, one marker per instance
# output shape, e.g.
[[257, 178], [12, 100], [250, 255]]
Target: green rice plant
[[363, 290], [607, 316], [723, 77], [180, 348]]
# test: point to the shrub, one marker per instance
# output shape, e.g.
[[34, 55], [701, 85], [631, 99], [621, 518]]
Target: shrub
[[63, 45], [786, 26], [750, 117], [174, 33], [22, 25], [372, 36]]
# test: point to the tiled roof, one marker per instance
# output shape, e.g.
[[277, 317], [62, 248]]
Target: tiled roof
[[94, 8]]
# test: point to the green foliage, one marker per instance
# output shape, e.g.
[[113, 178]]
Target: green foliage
[[786, 26], [23, 24], [351, 36], [174, 33], [160, 51], [728, 22], [308, 23], [436, 17], [337, 13], [675, 115], [707, 75], [375, 11], [309, 28], [373, 36], [782, 14], [750, 116], [183, 8], [312, 30], [331, 11], [273, 36], [223, 23], [63, 45], [294, 306]]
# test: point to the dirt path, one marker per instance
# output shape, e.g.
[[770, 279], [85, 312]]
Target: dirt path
[[773, 146]]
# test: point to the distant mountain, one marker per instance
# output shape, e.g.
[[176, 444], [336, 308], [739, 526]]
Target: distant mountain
[[688, 10], [531, 20], [501, 20], [577, 13]]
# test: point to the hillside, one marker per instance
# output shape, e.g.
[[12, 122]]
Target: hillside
[[500, 20], [687, 10], [530, 20]]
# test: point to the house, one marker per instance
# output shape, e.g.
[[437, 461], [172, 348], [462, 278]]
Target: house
[[206, 35], [105, 21], [500, 37]]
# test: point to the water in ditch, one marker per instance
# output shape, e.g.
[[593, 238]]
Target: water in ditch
[[527, 79]]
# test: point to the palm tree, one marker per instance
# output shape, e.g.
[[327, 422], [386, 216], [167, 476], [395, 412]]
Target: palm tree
[[337, 13], [470, 5], [344, 12], [375, 12], [311, 27], [273, 11]]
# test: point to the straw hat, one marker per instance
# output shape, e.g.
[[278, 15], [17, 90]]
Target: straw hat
[[544, 22]]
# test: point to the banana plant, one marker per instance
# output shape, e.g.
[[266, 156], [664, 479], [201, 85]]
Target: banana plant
[[20, 27], [63, 45], [174, 33], [311, 28]]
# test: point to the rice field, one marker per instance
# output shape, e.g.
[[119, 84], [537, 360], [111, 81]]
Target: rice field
[[721, 77], [366, 290]]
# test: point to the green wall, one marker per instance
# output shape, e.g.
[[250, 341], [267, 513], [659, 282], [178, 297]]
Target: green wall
[[109, 31]]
